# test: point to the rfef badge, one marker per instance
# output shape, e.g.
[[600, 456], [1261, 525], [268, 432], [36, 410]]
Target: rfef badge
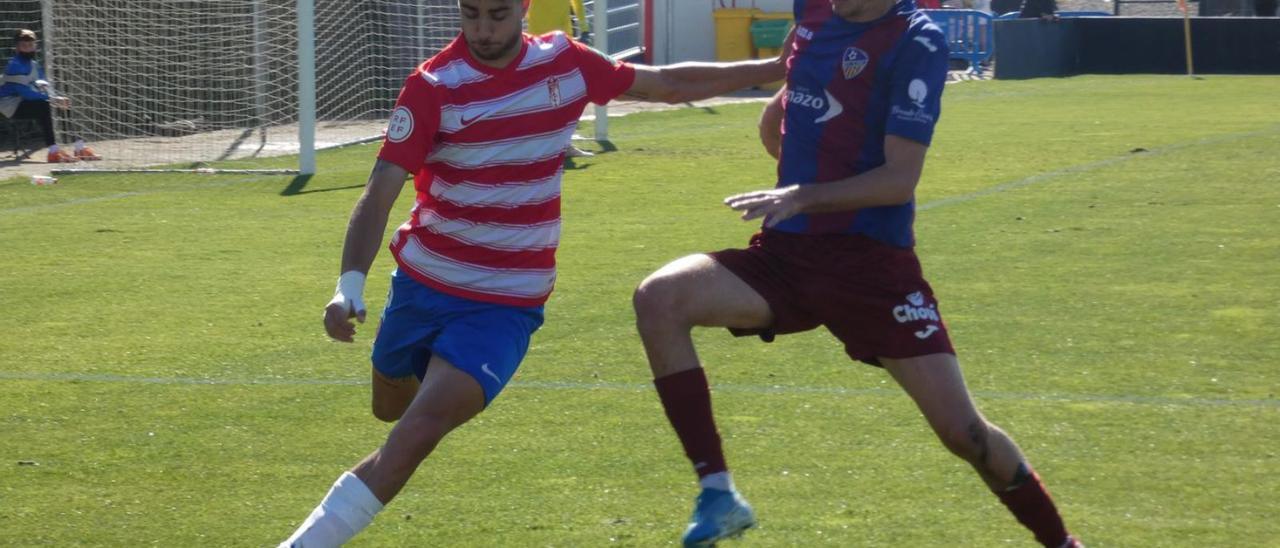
[[854, 61]]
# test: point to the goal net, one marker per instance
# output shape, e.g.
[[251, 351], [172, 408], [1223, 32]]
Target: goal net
[[195, 84], [189, 84]]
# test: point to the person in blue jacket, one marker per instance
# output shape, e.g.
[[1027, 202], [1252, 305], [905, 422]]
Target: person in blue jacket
[[26, 94]]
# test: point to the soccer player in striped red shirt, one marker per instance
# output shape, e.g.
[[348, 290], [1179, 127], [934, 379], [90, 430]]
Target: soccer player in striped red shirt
[[483, 127]]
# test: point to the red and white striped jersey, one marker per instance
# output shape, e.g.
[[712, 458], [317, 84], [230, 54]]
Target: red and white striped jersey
[[486, 147]]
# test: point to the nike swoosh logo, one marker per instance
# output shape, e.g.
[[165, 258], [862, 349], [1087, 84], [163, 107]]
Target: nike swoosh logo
[[929, 330], [489, 372], [834, 108], [463, 120]]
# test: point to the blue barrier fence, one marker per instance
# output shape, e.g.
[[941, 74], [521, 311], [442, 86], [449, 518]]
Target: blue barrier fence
[[971, 33]]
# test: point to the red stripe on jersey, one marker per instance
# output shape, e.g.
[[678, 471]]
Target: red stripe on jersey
[[532, 214], [497, 175], [464, 252]]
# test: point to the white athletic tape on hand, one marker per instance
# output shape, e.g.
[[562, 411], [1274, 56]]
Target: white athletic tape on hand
[[350, 291]]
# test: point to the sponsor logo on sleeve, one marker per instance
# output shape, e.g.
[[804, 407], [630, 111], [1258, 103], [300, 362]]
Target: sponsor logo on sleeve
[[914, 115], [918, 91], [928, 44], [401, 124]]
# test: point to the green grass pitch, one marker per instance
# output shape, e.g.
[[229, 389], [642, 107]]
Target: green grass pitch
[[165, 379]]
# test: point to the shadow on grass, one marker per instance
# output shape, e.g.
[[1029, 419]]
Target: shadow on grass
[[299, 182], [296, 185], [606, 146]]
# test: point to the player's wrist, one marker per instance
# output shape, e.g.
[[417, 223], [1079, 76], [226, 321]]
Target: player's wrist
[[350, 285], [804, 197]]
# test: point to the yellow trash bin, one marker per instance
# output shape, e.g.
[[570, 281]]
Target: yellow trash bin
[[733, 33]]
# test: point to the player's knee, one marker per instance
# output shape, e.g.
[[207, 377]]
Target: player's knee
[[657, 300], [388, 411], [968, 440], [421, 433]]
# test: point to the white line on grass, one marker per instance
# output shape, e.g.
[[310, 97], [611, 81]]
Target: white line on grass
[[109, 197], [1092, 166], [625, 387]]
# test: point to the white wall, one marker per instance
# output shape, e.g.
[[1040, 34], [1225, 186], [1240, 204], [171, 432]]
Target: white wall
[[683, 30]]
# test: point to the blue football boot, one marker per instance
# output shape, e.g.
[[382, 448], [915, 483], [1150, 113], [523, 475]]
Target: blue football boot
[[718, 515]]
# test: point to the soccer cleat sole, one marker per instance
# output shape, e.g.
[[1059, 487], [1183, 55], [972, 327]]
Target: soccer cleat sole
[[727, 536]]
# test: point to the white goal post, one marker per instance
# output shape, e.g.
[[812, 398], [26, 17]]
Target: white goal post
[[623, 38], [251, 85]]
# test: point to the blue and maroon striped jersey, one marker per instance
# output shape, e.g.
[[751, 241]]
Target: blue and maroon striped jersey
[[848, 86]]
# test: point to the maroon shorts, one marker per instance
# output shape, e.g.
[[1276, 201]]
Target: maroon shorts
[[870, 295]]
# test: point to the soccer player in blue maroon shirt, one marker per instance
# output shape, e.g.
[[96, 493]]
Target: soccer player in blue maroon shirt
[[863, 93]]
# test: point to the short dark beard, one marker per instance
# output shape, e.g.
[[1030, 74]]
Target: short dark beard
[[506, 48]]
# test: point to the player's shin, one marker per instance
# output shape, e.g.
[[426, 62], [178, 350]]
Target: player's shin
[[686, 399]]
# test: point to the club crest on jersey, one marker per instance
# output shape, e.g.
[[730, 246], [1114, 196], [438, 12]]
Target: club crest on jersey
[[553, 90], [401, 124], [854, 61]]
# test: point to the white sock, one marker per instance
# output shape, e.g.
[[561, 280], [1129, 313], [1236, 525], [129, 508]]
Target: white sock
[[718, 480], [80, 144], [346, 510], [53, 149]]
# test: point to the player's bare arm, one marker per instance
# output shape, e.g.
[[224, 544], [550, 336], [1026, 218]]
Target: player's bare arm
[[890, 184], [684, 82], [364, 237]]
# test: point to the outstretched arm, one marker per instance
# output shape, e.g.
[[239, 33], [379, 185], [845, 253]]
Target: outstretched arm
[[683, 82], [364, 237]]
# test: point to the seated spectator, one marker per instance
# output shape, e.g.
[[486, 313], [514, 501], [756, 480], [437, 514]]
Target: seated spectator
[[26, 94]]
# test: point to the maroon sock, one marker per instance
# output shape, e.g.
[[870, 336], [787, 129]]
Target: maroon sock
[[687, 401], [1031, 504]]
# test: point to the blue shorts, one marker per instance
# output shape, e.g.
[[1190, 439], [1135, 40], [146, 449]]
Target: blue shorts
[[487, 341]]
